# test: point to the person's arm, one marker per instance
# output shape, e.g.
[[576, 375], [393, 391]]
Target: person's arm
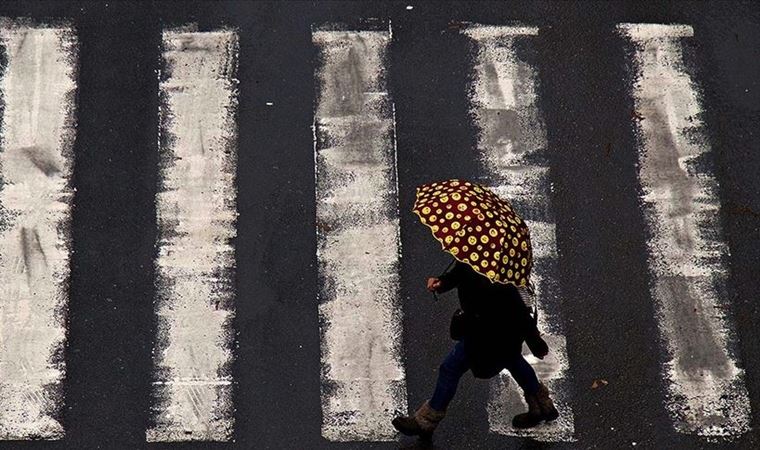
[[538, 347], [451, 279]]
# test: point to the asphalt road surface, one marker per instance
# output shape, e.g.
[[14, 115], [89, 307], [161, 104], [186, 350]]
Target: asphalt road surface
[[207, 238]]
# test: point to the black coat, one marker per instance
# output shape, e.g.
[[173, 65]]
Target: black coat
[[498, 319]]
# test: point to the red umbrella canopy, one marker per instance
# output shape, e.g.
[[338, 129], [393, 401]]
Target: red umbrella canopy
[[478, 228]]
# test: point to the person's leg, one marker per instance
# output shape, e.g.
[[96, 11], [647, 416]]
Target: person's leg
[[450, 371], [540, 405], [425, 420], [523, 374]]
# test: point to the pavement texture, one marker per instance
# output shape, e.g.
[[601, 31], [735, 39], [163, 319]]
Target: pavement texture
[[608, 312]]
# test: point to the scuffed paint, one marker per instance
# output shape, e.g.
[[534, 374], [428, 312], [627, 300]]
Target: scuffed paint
[[38, 87], [358, 237], [707, 394], [196, 210], [512, 143]]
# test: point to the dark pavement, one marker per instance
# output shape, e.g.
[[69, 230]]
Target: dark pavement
[[587, 106]]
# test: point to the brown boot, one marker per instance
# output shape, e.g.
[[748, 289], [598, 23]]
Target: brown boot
[[548, 411], [540, 408], [422, 423], [531, 418]]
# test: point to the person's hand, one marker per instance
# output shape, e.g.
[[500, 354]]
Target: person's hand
[[537, 345], [433, 284]]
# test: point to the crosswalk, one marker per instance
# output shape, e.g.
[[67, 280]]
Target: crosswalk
[[358, 232], [196, 219], [707, 392], [512, 145], [38, 87], [358, 237]]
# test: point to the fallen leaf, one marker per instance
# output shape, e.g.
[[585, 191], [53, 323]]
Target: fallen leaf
[[744, 210], [599, 382], [456, 25]]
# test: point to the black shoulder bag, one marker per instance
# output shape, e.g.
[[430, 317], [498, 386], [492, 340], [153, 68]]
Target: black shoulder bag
[[459, 325]]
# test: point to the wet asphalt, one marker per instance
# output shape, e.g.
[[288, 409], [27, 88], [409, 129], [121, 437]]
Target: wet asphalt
[[585, 99]]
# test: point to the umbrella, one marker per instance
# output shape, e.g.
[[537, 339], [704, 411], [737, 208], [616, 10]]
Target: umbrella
[[478, 228]]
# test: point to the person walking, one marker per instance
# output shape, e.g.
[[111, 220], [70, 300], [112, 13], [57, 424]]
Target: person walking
[[493, 320]]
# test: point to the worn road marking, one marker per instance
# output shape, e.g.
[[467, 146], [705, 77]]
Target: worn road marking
[[512, 141], [196, 209], [358, 238], [38, 88], [707, 394]]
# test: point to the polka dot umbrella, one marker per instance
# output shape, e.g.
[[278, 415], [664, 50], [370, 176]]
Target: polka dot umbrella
[[478, 228]]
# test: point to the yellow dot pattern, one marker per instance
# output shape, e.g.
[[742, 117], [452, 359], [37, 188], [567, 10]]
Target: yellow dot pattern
[[487, 233]]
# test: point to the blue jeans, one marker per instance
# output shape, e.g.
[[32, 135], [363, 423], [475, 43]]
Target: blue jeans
[[455, 365]]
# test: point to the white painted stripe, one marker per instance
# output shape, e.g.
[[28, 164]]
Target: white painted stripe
[[512, 141], [38, 87], [196, 209], [194, 382], [358, 238], [648, 31], [707, 394]]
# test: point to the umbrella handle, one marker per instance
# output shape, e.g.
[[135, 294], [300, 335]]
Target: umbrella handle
[[435, 296]]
